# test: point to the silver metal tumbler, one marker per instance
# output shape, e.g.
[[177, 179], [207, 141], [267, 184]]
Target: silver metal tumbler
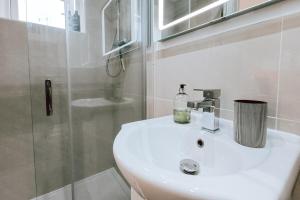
[[250, 123]]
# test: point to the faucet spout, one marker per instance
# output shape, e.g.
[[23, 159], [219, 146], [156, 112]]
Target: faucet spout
[[211, 109]]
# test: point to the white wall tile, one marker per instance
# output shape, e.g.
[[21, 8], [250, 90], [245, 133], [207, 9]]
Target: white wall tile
[[289, 96], [240, 68]]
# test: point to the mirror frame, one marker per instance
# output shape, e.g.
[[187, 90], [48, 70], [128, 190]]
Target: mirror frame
[[221, 19], [133, 32]]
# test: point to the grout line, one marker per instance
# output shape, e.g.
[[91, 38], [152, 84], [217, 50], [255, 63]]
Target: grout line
[[278, 75], [155, 61]]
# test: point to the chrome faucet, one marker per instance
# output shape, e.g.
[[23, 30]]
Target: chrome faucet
[[211, 108]]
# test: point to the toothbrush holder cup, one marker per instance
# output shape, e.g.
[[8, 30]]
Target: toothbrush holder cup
[[250, 127]]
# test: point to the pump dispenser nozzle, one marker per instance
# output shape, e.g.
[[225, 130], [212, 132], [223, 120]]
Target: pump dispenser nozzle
[[181, 88]]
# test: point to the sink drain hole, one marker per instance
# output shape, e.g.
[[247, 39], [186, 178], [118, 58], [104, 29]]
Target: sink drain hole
[[189, 166], [200, 143]]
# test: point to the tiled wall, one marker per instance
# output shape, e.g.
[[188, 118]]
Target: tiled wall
[[34, 148], [16, 149], [254, 56], [259, 60]]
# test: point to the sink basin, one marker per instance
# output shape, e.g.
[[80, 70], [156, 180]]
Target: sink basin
[[149, 152]]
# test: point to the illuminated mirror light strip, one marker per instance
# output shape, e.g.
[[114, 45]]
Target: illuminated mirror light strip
[[177, 21]]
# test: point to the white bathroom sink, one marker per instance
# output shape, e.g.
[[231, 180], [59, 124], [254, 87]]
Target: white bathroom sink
[[149, 152]]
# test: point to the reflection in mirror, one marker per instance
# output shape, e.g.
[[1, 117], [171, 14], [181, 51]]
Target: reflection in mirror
[[119, 26], [203, 7], [176, 16]]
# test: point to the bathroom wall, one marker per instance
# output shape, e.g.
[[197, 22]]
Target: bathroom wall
[[16, 150], [254, 56], [34, 148]]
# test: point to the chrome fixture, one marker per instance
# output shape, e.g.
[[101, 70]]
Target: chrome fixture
[[117, 42], [189, 166], [211, 108], [250, 123], [48, 95]]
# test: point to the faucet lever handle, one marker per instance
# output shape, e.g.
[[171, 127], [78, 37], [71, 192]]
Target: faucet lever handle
[[210, 93]]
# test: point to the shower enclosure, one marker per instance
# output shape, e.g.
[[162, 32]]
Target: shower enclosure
[[63, 97]]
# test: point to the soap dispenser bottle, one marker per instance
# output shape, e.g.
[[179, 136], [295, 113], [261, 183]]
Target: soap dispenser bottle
[[181, 112], [76, 21]]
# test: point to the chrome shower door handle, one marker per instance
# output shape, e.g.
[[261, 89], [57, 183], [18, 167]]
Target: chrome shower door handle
[[48, 95]]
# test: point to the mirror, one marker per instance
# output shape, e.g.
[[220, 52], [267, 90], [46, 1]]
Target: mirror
[[120, 26], [173, 17]]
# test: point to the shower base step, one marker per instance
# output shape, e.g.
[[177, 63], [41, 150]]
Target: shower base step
[[106, 185]]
